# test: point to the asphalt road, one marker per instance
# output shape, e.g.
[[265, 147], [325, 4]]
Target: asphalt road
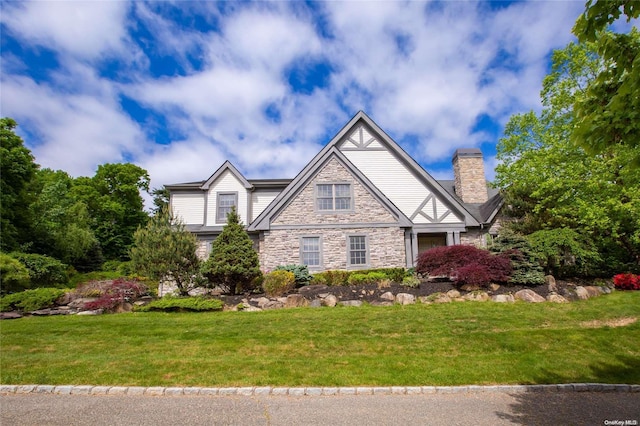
[[577, 408]]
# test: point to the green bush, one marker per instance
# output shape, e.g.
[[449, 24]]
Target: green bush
[[525, 266], [358, 278], [14, 276], [31, 300], [331, 278], [44, 271], [411, 281], [123, 268], [394, 274], [564, 253], [301, 273], [277, 283], [172, 304]]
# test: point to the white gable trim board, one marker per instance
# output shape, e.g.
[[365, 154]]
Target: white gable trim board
[[419, 211]]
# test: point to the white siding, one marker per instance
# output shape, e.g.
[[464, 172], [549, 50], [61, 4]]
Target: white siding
[[227, 182], [391, 177], [260, 200], [188, 207]]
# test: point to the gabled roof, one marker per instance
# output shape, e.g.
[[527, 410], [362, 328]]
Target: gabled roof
[[230, 167], [262, 222], [485, 212]]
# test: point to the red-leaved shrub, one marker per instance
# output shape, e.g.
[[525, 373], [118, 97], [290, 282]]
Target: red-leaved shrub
[[626, 282], [465, 265], [117, 293]]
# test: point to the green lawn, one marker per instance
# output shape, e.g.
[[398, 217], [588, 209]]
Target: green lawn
[[449, 344]]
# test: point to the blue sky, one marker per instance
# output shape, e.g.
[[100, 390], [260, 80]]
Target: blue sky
[[180, 87]]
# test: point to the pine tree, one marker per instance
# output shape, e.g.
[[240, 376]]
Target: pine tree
[[165, 250], [233, 263]]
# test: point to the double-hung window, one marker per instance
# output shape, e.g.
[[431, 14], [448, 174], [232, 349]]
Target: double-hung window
[[226, 201], [310, 251], [334, 197], [357, 254]]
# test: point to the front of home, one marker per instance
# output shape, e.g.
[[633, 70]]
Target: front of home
[[362, 202]]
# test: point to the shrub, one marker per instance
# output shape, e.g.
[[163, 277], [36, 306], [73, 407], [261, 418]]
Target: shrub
[[116, 293], [44, 271], [357, 278], [626, 282], [411, 281], [172, 304], [525, 265], [331, 278], [233, 262], [394, 274], [277, 283], [563, 252], [31, 300], [465, 265], [14, 276], [301, 272]]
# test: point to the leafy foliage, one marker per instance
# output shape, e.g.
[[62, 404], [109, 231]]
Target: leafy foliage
[[372, 277], [465, 265], [626, 282], [301, 273], [44, 271], [178, 304], [14, 276], [331, 278], [233, 263], [165, 250], [525, 265], [17, 168], [340, 277], [278, 282], [116, 293], [411, 281], [563, 252], [31, 300]]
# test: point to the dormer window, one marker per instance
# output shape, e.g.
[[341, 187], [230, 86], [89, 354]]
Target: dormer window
[[333, 197]]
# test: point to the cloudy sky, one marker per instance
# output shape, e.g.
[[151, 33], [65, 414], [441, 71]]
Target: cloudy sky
[[179, 87]]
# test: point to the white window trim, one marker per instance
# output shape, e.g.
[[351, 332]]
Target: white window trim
[[351, 208], [235, 203], [366, 252], [312, 267]]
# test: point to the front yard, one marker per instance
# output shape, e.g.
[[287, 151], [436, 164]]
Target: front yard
[[596, 340]]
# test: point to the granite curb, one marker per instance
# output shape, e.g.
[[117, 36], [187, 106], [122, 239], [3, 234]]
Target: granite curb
[[309, 391]]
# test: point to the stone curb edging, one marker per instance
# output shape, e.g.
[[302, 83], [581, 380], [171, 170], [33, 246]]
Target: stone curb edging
[[309, 391]]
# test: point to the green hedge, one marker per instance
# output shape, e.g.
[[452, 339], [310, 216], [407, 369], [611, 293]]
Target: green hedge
[[340, 277], [173, 304], [31, 300]]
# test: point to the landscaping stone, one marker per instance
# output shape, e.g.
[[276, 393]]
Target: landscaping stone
[[10, 315], [296, 301], [470, 287], [80, 302], [330, 301], [593, 291], [315, 303], [582, 293], [494, 287], [453, 294], [154, 391], [261, 301], [381, 303], [442, 298], [477, 296], [503, 298], [94, 312], [388, 296], [405, 299], [312, 289], [117, 390], [530, 296], [264, 390], [252, 308], [273, 304], [351, 303], [550, 281], [100, 390], [174, 391], [556, 298]]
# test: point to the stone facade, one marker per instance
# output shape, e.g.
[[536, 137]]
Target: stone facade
[[385, 246], [468, 170], [365, 208]]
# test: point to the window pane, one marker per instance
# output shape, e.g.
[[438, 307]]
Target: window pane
[[325, 204], [325, 190], [357, 250], [311, 251], [225, 203], [343, 203], [343, 190]]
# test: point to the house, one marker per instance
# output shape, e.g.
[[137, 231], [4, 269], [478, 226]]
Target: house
[[362, 202]]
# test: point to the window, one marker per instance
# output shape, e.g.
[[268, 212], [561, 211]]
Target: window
[[226, 201], [357, 250], [310, 251], [334, 196]]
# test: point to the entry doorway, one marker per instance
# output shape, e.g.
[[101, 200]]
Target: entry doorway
[[429, 241]]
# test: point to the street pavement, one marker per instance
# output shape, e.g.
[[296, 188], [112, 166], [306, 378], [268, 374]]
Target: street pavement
[[482, 408]]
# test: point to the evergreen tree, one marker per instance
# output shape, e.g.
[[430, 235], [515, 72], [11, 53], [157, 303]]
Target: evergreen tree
[[233, 263], [165, 250], [525, 266]]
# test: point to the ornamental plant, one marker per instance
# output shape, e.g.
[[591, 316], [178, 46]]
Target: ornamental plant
[[301, 273], [278, 282], [117, 293], [465, 265], [626, 282]]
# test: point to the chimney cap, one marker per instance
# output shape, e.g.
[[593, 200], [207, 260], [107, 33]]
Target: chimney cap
[[467, 152]]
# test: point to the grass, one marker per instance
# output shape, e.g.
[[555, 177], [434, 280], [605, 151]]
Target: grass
[[450, 344]]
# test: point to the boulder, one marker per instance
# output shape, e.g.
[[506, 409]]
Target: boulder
[[330, 301], [351, 303], [381, 303], [405, 299], [94, 312], [477, 296], [124, 307], [251, 308], [315, 303], [582, 293], [80, 302], [556, 298], [494, 287], [454, 294], [442, 298], [469, 287], [550, 281], [528, 295], [503, 298], [261, 301], [10, 315], [296, 301], [388, 296], [593, 291], [273, 304]]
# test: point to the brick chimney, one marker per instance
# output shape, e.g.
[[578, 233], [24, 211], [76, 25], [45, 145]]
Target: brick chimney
[[468, 172]]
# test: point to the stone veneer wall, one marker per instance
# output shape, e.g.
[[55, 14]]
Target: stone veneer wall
[[302, 210], [282, 247], [468, 171], [201, 250]]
